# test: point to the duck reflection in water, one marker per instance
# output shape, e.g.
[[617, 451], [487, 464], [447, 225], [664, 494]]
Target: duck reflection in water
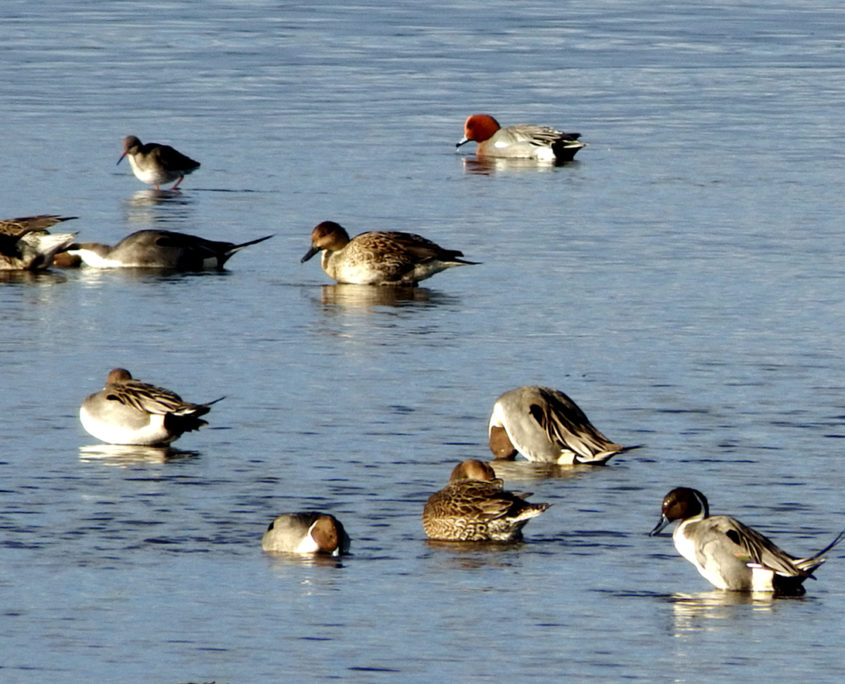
[[711, 610], [490, 166], [124, 455], [346, 296], [527, 471]]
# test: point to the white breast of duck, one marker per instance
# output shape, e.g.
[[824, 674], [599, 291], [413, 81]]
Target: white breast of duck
[[146, 430]]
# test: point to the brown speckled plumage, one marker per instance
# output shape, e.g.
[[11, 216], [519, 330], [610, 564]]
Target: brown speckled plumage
[[477, 510], [26, 224], [378, 257]]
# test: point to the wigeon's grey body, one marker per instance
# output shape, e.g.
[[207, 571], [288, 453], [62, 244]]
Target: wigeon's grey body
[[520, 141]]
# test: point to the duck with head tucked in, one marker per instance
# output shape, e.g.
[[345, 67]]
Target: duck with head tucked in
[[161, 249], [379, 258], [128, 411], [546, 426], [520, 141], [475, 507], [308, 532], [731, 555]]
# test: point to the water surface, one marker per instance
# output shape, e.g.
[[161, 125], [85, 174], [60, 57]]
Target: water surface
[[680, 281]]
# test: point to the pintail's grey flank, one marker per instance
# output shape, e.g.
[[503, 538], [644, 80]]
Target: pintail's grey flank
[[128, 411], [161, 249]]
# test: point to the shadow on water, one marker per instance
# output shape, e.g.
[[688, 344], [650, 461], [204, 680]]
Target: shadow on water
[[708, 610], [309, 560], [344, 297], [471, 555], [93, 277], [32, 277], [528, 470], [159, 207], [490, 166], [128, 455]]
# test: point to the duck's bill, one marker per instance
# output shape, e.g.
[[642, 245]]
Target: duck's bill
[[311, 252], [462, 141], [660, 525]]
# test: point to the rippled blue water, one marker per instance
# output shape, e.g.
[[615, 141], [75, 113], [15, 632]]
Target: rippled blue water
[[682, 281]]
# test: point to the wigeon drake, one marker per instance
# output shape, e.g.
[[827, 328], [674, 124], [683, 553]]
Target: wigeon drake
[[379, 258], [128, 411], [546, 426], [162, 249], [474, 507], [156, 164], [731, 555], [308, 532], [520, 141]]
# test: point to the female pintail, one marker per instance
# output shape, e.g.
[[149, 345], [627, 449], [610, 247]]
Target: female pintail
[[379, 258], [474, 507]]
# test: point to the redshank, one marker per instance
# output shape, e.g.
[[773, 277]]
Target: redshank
[[156, 164]]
